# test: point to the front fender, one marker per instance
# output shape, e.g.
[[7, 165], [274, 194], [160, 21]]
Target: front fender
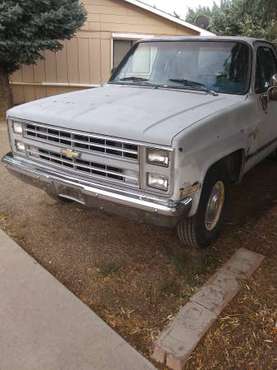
[[209, 141]]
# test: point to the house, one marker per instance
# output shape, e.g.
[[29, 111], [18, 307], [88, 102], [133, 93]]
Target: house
[[111, 28]]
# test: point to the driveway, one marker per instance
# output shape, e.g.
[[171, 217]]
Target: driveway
[[137, 276], [45, 327]]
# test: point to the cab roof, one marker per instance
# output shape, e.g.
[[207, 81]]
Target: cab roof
[[249, 40]]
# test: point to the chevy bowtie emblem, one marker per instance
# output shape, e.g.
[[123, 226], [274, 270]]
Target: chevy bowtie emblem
[[70, 154]]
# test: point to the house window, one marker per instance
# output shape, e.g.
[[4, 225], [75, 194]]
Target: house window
[[120, 49]]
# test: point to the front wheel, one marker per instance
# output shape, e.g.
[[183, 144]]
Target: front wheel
[[273, 155], [204, 228]]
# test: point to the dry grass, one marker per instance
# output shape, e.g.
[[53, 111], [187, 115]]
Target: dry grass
[[136, 277]]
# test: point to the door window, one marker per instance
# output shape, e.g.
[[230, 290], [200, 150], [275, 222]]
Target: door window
[[265, 69]]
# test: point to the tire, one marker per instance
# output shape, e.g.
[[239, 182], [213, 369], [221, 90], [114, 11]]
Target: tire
[[273, 156], [196, 231]]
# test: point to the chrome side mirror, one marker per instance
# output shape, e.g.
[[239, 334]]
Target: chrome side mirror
[[272, 91]]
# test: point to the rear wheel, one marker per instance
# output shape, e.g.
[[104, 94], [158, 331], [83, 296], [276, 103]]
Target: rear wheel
[[204, 228]]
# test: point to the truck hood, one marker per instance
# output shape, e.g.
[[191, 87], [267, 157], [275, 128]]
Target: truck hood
[[137, 113]]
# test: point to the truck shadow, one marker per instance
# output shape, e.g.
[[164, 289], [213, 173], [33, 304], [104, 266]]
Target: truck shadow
[[256, 194], [248, 215]]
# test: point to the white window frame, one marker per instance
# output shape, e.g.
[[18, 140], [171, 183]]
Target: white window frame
[[127, 37]]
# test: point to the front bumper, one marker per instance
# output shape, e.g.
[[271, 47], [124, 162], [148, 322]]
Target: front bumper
[[132, 204]]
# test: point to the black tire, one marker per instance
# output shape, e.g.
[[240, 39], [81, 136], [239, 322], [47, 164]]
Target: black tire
[[273, 156], [192, 231]]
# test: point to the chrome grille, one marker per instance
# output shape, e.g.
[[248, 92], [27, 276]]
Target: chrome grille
[[84, 142], [81, 166]]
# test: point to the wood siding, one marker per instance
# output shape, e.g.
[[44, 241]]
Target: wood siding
[[87, 58]]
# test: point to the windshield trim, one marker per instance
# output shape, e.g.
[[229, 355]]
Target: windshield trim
[[117, 70]]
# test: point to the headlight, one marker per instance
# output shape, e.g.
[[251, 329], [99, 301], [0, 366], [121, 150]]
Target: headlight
[[157, 181], [18, 128], [158, 157], [20, 146]]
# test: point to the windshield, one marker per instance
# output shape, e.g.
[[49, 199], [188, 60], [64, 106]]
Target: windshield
[[222, 67]]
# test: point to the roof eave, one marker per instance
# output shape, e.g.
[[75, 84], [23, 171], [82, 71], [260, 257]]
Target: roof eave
[[170, 17]]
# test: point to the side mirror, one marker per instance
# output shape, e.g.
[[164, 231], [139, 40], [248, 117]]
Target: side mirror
[[272, 91]]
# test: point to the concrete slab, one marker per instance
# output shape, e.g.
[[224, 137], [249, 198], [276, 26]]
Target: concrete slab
[[218, 292], [45, 327], [222, 287], [243, 263], [193, 320], [179, 339]]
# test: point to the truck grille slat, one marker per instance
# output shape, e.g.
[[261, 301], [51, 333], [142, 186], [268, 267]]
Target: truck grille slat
[[93, 156], [88, 142], [79, 165]]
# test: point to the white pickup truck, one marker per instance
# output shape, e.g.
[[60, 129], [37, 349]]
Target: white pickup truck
[[180, 120]]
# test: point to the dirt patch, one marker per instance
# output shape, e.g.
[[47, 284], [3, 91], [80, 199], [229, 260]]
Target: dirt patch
[[137, 276]]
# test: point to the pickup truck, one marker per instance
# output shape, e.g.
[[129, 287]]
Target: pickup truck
[[179, 122]]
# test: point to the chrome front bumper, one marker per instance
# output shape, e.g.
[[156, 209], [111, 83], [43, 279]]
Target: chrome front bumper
[[150, 209]]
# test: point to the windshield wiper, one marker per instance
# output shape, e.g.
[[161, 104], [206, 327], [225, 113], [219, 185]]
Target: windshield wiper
[[140, 80], [193, 84], [134, 78]]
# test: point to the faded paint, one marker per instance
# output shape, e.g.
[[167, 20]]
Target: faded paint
[[136, 113]]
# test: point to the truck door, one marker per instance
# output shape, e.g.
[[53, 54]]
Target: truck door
[[266, 67]]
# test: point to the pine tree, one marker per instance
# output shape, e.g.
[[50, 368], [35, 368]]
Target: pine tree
[[27, 28]]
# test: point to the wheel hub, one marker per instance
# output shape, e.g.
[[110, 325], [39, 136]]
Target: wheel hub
[[215, 206]]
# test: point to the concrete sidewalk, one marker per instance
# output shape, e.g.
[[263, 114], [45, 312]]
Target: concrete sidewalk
[[45, 327]]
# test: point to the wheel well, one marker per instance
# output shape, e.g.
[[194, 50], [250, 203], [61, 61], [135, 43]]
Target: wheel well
[[233, 164]]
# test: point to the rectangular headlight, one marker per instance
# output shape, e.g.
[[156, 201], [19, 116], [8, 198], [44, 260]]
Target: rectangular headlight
[[157, 181], [17, 128], [158, 157]]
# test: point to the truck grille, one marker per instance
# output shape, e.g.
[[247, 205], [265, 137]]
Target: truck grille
[[82, 142], [81, 166]]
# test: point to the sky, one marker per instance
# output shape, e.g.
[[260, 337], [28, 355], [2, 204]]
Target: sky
[[180, 6]]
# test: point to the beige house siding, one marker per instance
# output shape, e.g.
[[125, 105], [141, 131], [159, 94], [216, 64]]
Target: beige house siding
[[87, 58]]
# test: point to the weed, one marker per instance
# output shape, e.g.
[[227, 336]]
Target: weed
[[194, 266], [109, 268]]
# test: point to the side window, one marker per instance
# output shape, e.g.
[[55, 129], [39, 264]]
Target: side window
[[266, 68]]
